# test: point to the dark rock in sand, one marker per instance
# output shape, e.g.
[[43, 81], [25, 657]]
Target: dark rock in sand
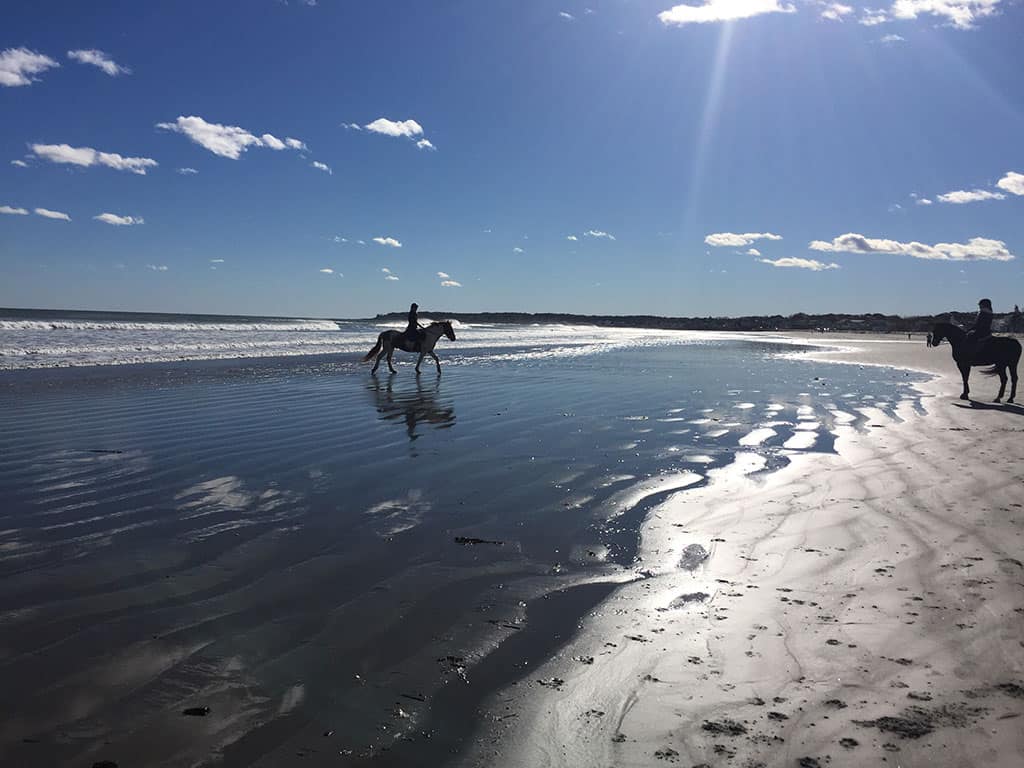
[[473, 540], [808, 762], [848, 743], [727, 727], [693, 597], [836, 703], [777, 716], [915, 722], [693, 555], [196, 711], [666, 753], [1011, 689]]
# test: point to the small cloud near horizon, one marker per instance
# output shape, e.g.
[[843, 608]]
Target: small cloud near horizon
[[963, 196], [733, 240], [119, 221], [721, 10], [99, 59], [88, 157], [46, 213], [11, 211], [975, 249], [798, 263], [388, 241]]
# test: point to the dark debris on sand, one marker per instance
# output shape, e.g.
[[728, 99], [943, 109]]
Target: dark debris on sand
[[915, 722], [466, 540], [196, 711], [726, 727], [693, 555]]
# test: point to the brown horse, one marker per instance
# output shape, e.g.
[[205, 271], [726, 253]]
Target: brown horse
[[389, 341], [1000, 352]]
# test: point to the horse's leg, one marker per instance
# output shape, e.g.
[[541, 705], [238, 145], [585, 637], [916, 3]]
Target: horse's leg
[[437, 362], [1013, 382], [419, 360], [965, 372], [391, 351], [1002, 383], [376, 363]]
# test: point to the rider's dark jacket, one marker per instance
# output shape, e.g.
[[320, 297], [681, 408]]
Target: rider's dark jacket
[[412, 330], [982, 327]]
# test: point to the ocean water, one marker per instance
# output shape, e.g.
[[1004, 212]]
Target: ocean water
[[293, 536], [53, 338]]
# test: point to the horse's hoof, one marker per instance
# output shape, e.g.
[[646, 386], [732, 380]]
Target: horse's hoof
[[998, 400], [964, 397]]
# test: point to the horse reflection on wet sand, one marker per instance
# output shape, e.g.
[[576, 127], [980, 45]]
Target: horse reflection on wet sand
[[413, 407]]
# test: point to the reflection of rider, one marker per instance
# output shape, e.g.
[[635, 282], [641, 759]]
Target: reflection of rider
[[412, 330]]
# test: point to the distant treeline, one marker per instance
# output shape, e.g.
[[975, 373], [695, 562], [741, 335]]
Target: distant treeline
[[875, 323]]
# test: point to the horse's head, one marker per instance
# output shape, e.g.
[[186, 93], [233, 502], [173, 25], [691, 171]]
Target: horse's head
[[448, 330]]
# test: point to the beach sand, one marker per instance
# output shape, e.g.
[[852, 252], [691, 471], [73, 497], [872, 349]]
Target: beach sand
[[865, 608]]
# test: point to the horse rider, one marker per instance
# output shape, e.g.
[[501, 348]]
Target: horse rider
[[412, 331], [981, 331]]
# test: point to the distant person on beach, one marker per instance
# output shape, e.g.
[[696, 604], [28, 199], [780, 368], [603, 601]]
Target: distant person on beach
[[981, 331], [1015, 320], [412, 330]]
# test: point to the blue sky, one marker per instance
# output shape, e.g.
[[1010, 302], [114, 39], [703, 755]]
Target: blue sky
[[709, 159]]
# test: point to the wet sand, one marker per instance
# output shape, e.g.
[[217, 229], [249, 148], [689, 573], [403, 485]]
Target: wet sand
[[218, 536], [865, 608]]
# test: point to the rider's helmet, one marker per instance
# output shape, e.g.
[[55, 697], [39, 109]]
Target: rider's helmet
[[985, 304]]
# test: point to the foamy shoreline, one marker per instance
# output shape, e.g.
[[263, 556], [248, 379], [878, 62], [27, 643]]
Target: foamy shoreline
[[853, 608]]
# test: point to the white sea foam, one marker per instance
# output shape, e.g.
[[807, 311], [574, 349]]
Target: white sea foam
[[757, 436]]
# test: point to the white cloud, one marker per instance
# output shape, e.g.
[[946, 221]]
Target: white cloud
[[119, 221], [216, 261], [391, 277], [271, 141], [1012, 182], [87, 156], [961, 196], [157, 267], [17, 65], [753, 252], [322, 167], [340, 239], [99, 59], [361, 242], [836, 11], [226, 140], [721, 10], [13, 211], [406, 128], [923, 201], [732, 240], [352, 126], [48, 214], [450, 284], [566, 15], [327, 271], [573, 238], [19, 163], [890, 39], [790, 261], [385, 270], [975, 249], [187, 171], [388, 241], [598, 233], [443, 275], [958, 13], [873, 17], [425, 144], [517, 249]]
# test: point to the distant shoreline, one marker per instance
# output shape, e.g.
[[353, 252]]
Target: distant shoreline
[[800, 321]]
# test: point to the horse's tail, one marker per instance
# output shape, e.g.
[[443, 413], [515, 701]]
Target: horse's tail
[[376, 348], [993, 371]]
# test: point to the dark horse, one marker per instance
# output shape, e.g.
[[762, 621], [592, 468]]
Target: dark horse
[[1000, 352], [389, 341]]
